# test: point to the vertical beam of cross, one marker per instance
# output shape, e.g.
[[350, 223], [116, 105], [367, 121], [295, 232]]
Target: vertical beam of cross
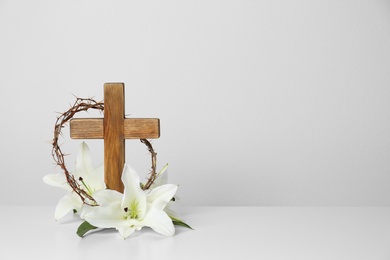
[[114, 141]]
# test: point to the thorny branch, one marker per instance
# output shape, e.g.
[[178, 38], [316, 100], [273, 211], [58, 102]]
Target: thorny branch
[[84, 104], [153, 173]]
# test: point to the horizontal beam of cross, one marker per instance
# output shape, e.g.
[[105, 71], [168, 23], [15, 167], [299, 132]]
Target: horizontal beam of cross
[[134, 128]]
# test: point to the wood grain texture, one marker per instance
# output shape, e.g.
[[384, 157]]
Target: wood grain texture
[[134, 128], [142, 128], [113, 132], [86, 128]]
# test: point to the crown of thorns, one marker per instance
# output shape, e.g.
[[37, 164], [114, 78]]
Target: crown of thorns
[[85, 104]]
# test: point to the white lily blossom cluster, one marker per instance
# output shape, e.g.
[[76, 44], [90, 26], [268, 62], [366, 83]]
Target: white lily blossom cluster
[[90, 178], [134, 209]]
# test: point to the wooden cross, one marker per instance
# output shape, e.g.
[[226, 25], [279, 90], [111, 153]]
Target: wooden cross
[[114, 128]]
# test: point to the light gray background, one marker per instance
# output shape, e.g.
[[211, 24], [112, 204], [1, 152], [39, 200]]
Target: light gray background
[[262, 103]]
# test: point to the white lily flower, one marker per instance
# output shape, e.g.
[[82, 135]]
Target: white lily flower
[[162, 179], [132, 210], [91, 179]]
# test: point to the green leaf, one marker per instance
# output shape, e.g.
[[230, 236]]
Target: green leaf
[[182, 224], [84, 228], [179, 222]]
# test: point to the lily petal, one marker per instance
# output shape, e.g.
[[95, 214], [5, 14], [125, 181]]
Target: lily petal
[[83, 161], [106, 197], [161, 195], [159, 221], [125, 231], [66, 204], [133, 192], [171, 213], [104, 216], [57, 180], [95, 179]]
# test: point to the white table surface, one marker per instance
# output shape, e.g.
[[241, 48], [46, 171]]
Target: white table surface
[[220, 233]]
